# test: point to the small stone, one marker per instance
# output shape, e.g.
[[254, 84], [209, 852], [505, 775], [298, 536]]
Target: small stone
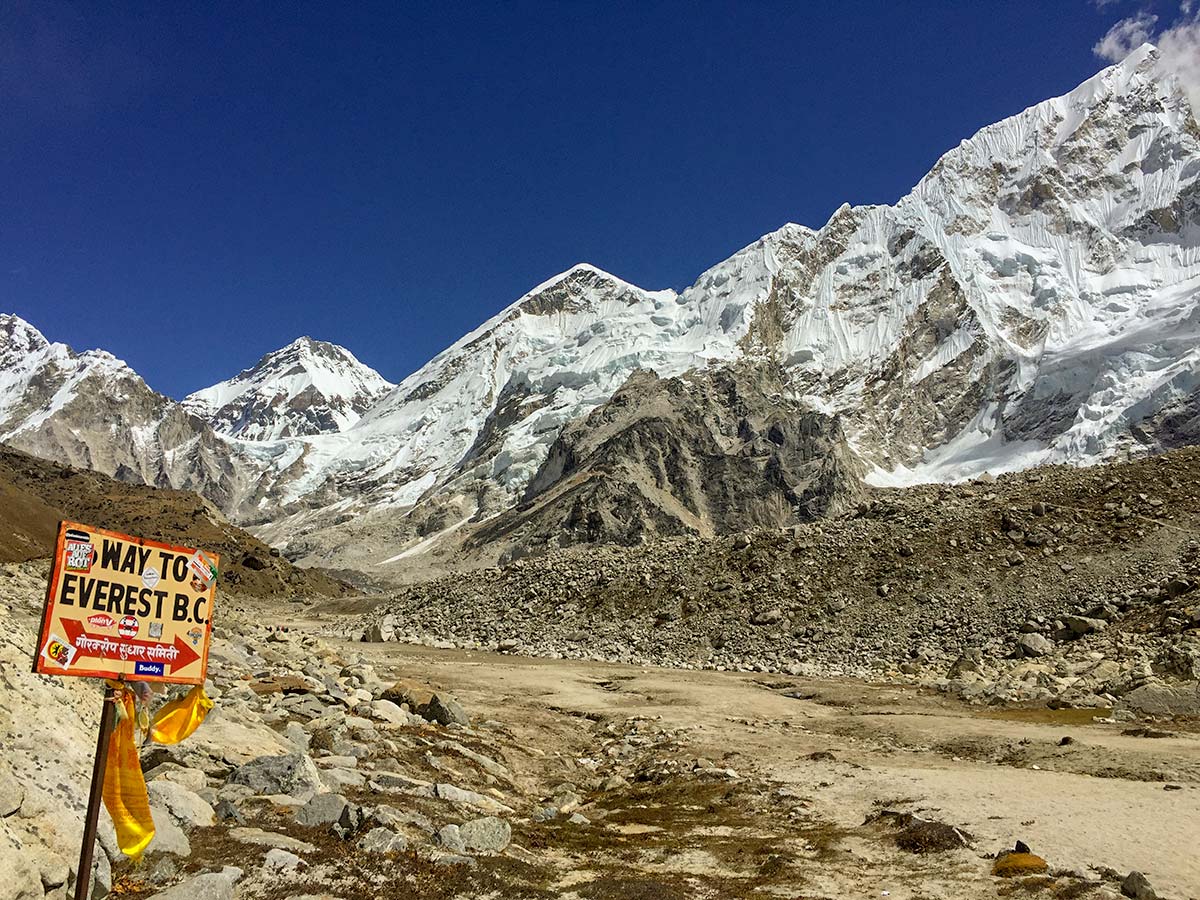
[[384, 841], [271, 839], [54, 869], [450, 837], [455, 859], [390, 816], [226, 811], [1081, 625], [350, 821], [1014, 865], [1034, 645], [767, 617], [165, 869], [457, 795], [387, 711], [279, 860]]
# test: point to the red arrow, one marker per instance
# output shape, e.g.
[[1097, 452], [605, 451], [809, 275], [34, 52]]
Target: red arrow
[[75, 630]]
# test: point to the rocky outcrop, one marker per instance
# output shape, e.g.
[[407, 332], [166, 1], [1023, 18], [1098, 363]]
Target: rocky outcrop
[[36, 495]]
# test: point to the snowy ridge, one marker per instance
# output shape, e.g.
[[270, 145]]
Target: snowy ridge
[[493, 402]]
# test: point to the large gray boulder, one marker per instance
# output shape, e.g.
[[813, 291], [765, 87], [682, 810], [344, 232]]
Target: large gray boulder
[[186, 807], [322, 810], [1034, 645], [1137, 886], [1160, 699], [444, 710], [488, 835], [209, 886], [379, 633], [291, 773]]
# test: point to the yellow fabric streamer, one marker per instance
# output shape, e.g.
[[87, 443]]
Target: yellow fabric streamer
[[124, 787], [179, 718]]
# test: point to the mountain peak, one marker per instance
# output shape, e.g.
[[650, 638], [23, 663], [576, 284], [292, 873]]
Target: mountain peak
[[305, 388], [581, 270], [17, 334]]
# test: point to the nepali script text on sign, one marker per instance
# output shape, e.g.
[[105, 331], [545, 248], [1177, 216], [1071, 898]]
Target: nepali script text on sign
[[125, 607]]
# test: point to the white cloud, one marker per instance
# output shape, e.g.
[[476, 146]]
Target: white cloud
[[1125, 37], [1178, 45], [1179, 49]]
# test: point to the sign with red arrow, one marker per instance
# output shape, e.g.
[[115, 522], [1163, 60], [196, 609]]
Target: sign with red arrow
[[127, 608], [177, 656]]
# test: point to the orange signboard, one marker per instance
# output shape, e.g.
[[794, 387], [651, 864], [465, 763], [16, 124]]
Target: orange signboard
[[126, 608]]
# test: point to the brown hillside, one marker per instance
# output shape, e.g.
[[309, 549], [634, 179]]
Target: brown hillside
[[35, 495]]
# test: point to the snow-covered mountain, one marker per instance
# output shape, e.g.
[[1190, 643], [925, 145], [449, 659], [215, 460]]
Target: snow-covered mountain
[[1035, 298], [308, 387]]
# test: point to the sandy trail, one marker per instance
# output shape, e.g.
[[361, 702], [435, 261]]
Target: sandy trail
[[1103, 799]]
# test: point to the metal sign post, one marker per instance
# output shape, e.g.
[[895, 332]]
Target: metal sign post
[[83, 877]]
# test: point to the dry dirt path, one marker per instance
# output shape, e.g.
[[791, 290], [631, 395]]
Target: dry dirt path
[[826, 755]]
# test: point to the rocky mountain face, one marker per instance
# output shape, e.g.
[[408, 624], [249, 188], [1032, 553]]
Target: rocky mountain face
[[1034, 299], [308, 387], [709, 452], [90, 410]]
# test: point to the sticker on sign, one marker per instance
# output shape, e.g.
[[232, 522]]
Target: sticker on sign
[[158, 597]]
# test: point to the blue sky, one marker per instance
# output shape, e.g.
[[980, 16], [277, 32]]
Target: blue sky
[[192, 185]]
